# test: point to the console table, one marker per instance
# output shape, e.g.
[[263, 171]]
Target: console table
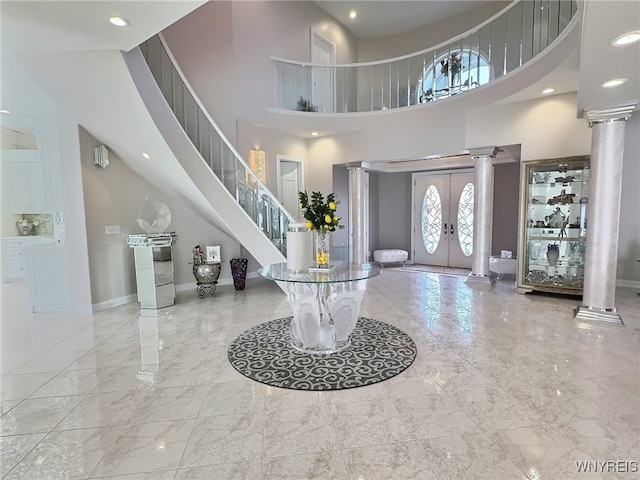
[[325, 304]]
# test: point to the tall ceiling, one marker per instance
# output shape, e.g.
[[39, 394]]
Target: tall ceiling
[[59, 25], [56, 25], [600, 61], [380, 18], [81, 25]]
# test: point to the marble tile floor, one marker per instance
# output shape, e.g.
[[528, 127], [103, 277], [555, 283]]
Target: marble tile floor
[[505, 386]]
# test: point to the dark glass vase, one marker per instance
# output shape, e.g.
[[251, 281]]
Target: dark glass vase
[[553, 252], [239, 272]]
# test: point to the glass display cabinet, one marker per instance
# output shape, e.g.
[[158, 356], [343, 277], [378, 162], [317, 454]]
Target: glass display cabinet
[[552, 233]]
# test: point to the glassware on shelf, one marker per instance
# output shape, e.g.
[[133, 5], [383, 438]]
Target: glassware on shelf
[[553, 225]]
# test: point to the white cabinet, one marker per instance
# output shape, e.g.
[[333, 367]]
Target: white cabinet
[[47, 140], [23, 188], [47, 273], [13, 264]]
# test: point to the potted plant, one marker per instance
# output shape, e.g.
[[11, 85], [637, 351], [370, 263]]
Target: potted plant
[[305, 105]]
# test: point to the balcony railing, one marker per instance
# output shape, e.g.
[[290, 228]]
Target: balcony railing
[[223, 159], [492, 49]]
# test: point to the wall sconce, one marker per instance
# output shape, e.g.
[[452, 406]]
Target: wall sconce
[[101, 156], [258, 163]]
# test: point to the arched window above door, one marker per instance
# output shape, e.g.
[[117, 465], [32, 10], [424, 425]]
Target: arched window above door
[[452, 72]]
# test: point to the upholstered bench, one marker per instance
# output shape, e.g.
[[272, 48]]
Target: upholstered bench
[[390, 255]]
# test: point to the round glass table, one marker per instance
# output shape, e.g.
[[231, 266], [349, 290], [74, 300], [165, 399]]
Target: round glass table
[[325, 303]]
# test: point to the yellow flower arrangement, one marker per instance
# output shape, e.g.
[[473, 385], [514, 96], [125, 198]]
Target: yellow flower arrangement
[[321, 217], [320, 214]]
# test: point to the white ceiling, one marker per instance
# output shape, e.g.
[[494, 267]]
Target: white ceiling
[[379, 18], [80, 25], [62, 26], [604, 21], [33, 25]]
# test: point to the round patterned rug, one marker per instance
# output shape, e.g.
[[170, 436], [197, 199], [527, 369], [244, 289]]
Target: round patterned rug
[[378, 351]]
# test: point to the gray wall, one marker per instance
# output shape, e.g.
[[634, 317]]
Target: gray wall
[[389, 209], [374, 212], [394, 207], [506, 188], [629, 237], [341, 189], [114, 196], [228, 62]]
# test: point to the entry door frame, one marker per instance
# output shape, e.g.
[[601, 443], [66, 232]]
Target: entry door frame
[[284, 158], [415, 223], [317, 41]]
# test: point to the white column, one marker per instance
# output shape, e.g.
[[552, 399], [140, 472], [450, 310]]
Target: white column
[[482, 214], [603, 214], [359, 204]]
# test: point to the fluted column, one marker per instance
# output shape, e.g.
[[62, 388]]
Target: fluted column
[[482, 214], [359, 218], [603, 214]]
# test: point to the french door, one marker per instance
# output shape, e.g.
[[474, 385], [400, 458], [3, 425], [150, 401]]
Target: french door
[[443, 219]]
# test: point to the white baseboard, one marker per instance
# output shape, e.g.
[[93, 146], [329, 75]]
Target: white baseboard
[[183, 287], [628, 283], [114, 302], [54, 307]]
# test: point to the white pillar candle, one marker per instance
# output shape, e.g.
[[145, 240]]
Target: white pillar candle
[[299, 247]]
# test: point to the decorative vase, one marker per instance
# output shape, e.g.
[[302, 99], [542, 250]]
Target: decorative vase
[[206, 277], [321, 247], [239, 272], [206, 272], [553, 252]]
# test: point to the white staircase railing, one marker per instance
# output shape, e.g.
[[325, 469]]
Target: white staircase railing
[[223, 159]]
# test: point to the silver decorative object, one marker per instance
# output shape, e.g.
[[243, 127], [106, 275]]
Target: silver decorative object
[[24, 227], [155, 217], [206, 277]]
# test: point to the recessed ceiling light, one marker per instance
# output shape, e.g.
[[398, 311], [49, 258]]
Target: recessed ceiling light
[[626, 39], [353, 14], [616, 82], [146, 155], [4, 110], [547, 91], [118, 21], [314, 134]]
